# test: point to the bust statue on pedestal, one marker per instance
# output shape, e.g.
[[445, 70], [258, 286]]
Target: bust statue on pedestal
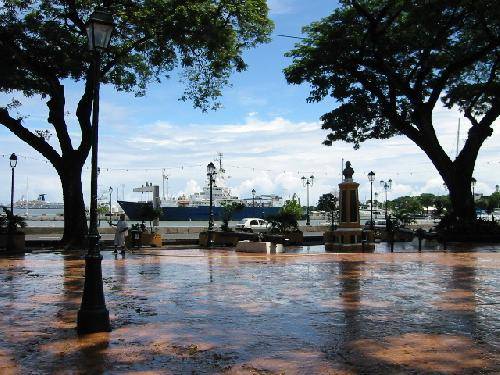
[[350, 236], [348, 171]]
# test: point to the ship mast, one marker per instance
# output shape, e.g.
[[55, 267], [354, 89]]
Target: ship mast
[[164, 177]]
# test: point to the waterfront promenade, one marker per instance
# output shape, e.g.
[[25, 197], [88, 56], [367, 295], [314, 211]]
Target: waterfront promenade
[[198, 311]]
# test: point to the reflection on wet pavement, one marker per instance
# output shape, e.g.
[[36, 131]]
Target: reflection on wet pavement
[[197, 311]]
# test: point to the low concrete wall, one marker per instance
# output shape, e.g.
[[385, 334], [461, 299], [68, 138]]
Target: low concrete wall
[[161, 230]]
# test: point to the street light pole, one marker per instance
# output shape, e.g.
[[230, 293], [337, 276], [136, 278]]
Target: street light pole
[[11, 228], [93, 315], [386, 185], [211, 173], [13, 164], [253, 197], [307, 181], [110, 198], [371, 178]]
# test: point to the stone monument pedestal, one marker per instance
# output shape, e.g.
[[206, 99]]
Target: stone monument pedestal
[[349, 237]]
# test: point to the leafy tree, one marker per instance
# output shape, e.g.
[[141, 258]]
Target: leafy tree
[[10, 223], [389, 62], [292, 207], [286, 220], [228, 210], [283, 222], [102, 210], [427, 199], [327, 202], [405, 209], [44, 45], [495, 200]]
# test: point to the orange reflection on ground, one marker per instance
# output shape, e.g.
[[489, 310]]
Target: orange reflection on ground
[[449, 354]]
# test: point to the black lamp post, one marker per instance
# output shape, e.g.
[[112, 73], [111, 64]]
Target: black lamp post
[[10, 228], [371, 178], [307, 181], [253, 197], [13, 164], [110, 197], [386, 185], [93, 315], [211, 173], [473, 184]]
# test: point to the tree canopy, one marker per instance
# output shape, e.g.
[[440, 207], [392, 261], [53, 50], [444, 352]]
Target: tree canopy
[[327, 202], [44, 44], [205, 38], [388, 63]]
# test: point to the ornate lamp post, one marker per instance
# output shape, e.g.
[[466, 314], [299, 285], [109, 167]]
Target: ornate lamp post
[[211, 173], [13, 164], [371, 178], [307, 181], [93, 315], [10, 228], [386, 185], [253, 197]]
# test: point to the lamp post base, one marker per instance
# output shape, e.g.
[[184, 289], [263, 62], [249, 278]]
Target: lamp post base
[[91, 321], [93, 315]]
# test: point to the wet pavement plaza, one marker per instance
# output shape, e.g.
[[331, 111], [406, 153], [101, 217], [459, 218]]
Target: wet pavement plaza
[[202, 312]]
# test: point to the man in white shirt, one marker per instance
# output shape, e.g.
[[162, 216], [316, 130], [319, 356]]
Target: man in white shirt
[[121, 233]]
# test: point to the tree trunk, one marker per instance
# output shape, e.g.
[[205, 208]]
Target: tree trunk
[[462, 202], [457, 176], [75, 221]]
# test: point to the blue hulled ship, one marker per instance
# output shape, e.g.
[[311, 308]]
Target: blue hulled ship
[[196, 207]]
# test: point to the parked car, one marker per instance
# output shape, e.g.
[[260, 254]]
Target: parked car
[[377, 224], [253, 225]]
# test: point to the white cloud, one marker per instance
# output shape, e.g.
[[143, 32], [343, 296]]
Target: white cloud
[[269, 155]]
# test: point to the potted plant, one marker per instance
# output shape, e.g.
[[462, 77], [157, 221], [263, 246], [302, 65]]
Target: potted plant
[[151, 237], [286, 222], [226, 236], [11, 238]]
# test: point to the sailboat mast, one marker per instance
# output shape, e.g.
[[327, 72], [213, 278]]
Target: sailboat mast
[[27, 200]]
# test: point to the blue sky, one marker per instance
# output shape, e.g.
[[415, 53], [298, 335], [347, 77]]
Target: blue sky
[[267, 132]]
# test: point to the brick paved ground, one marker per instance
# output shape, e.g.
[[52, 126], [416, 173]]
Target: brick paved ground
[[194, 311]]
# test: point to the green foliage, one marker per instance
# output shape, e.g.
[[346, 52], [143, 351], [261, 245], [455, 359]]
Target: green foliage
[[286, 220], [405, 209], [102, 209], [382, 59], [292, 208], [427, 200], [489, 204], [228, 210], [11, 223], [327, 202], [283, 222], [204, 39], [442, 205], [387, 63]]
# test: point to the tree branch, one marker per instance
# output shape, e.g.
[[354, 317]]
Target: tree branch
[[56, 118], [83, 113], [38, 143], [453, 68]]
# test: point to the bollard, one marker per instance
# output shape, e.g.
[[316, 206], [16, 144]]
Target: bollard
[[420, 233]]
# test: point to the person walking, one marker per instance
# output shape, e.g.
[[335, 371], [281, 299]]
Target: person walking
[[120, 233]]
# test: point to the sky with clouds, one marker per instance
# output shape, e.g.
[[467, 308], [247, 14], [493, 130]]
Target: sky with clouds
[[269, 135]]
